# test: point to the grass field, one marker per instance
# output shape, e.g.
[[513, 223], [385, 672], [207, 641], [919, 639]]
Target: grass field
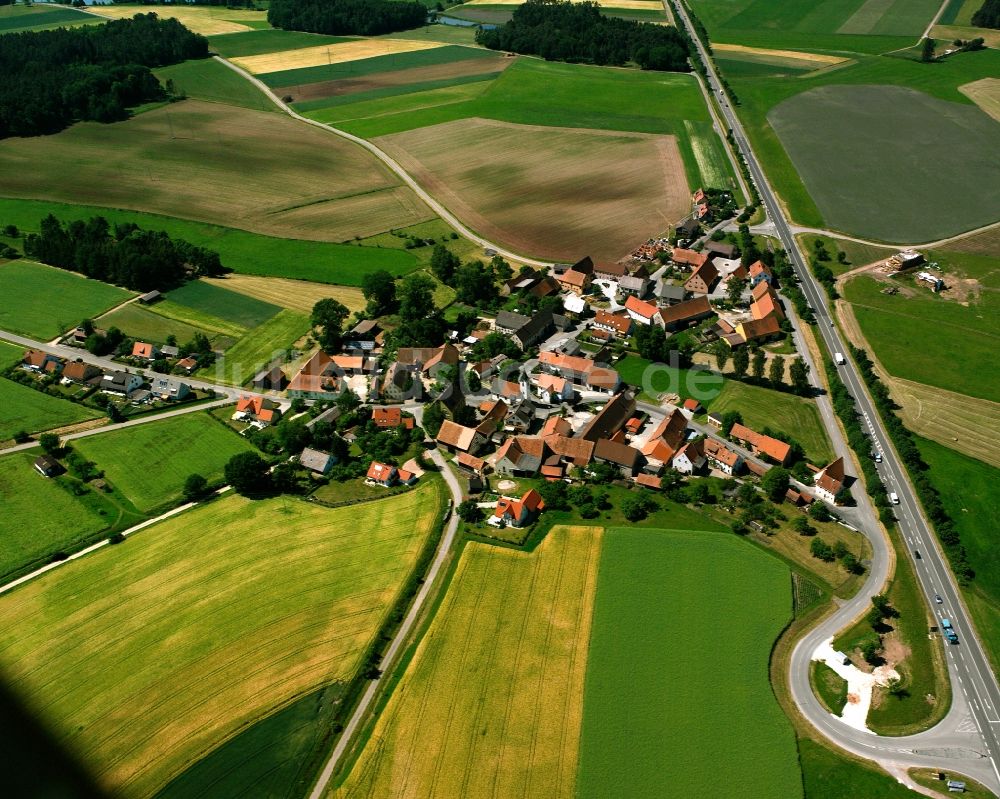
[[145, 657], [829, 686], [954, 340], [986, 242], [702, 385], [857, 254], [653, 714], [42, 301], [247, 253], [823, 130], [346, 51], [215, 300], [24, 18], [986, 94], [786, 413], [552, 171], [23, 408], [491, 703], [267, 41], [143, 324], [828, 775], [226, 332], [296, 295], [40, 516], [259, 348], [150, 462], [219, 164], [207, 79], [970, 491], [207, 21]]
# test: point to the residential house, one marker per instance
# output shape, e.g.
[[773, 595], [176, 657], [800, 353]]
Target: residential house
[[167, 388], [149, 297], [459, 438], [506, 390], [545, 287], [611, 418], [715, 419], [617, 324], [574, 281], [645, 313], [582, 371], [316, 460], [692, 406], [830, 480], [634, 285], [486, 369], [319, 379], [271, 379], [46, 466], [401, 382], [526, 279], [169, 351], [556, 425], [471, 463], [648, 481], [620, 455], [689, 259], [387, 418], [517, 512], [760, 272], [690, 458], [688, 229], [146, 351], [257, 409], [552, 389], [42, 362], [658, 454], [383, 474], [720, 457], [520, 456], [754, 330], [569, 451], [759, 444], [703, 279], [494, 412], [721, 248], [119, 382], [614, 271], [686, 313], [670, 294], [766, 303], [186, 365], [672, 429], [541, 325], [80, 372]]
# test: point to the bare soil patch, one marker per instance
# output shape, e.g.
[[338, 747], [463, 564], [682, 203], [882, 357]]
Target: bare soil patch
[[402, 77], [216, 163], [557, 193]]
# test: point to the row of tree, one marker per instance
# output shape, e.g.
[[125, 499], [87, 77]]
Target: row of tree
[[54, 78], [560, 30], [988, 16], [126, 255], [339, 17]]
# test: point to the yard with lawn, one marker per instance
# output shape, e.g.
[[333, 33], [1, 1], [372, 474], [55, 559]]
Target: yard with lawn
[[149, 463], [794, 416], [654, 717], [145, 657], [143, 324], [231, 306], [43, 301], [655, 379], [24, 409], [272, 340]]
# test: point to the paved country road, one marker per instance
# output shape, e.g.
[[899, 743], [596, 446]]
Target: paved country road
[[966, 740]]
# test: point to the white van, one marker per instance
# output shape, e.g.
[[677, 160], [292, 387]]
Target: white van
[[893, 498], [839, 358]]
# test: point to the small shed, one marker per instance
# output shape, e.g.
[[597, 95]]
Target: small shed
[[46, 466], [150, 297]]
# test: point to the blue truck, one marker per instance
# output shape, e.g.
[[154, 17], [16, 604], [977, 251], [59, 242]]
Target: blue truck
[[949, 631]]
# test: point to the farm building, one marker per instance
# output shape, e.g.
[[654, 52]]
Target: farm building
[[150, 297], [316, 460], [46, 466], [760, 444], [703, 279], [270, 379], [830, 480]]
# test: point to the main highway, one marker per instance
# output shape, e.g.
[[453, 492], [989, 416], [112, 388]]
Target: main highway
[[966, 739]]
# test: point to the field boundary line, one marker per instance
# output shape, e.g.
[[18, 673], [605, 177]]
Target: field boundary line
[[393, 165], [836, 234]]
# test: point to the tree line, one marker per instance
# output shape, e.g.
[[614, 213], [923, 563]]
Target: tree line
[[988, 16], [57, 77], [360, 17], [126, 255], [560, 30]]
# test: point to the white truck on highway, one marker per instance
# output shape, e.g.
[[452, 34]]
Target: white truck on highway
[[839, 358]]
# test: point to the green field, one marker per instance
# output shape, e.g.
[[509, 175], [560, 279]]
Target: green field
[[422, 89], [259, 347], [41, 516], [149, 463], [147, 656], [234, 45], [702, 385], [226, 331], [828, 775], [42, 301], [9, 354], [240, 309], [830, 687], [970, 491], [143, 324], [207, 79], [23, 18], [844, 141], [240, 250], [24, 408], [654, 716], [955, 341], [785, 413]]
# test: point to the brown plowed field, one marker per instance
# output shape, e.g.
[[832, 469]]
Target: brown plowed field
[[557, 193], [402, 77], [209, 162]]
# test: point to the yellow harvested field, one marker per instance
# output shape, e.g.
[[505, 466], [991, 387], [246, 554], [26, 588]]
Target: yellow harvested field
[[766, 55], [297, 295], [266, 173], [986, 94], [144, 657], [206, 21], [329, 54], [492, 701], [552, 172], [652, 5]]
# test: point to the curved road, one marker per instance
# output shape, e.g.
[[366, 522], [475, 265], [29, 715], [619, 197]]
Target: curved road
[[390, 162], [966, 740]]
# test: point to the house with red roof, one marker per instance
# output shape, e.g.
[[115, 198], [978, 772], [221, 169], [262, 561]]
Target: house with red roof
[[257, 409], [144, 350], [830, 480], [759, 444], [645, 313], [387, 418], [511, 512]]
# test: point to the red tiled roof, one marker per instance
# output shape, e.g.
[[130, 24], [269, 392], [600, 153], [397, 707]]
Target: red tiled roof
[[689, 257], [556, 425], [381, 472], [772, 447], [648, 480], [644, 309], [689, 309], [618, 322], [142, 350]]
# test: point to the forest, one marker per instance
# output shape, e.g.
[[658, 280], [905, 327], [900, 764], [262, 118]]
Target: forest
[[56, 77], [560, 30], [340, 17], [127, 256], [988, 16]]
